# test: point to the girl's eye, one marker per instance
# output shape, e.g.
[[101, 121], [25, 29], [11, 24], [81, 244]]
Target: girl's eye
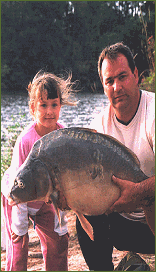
[[43, 105], [54, 105]]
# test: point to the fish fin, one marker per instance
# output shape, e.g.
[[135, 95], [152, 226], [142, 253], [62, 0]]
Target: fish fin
[[85, 225], [18, 208], [59, 217], [123, 146], [53, 198], [89, 129]]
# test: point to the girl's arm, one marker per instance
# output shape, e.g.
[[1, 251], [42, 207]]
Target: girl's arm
[[19, 227], [20, 219]]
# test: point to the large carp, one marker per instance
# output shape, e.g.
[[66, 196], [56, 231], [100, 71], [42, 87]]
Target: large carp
[[73, 168]]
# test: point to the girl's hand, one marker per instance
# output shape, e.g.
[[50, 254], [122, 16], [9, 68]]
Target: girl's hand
[[16, 238]]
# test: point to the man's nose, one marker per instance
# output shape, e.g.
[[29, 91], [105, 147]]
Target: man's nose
[[117, 85]]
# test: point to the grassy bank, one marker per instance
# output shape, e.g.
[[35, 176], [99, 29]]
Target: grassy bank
[[8, 140]]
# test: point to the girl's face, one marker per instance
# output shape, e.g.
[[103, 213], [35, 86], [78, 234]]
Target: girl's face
[[46, 113]]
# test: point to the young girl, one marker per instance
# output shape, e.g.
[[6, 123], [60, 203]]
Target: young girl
[[47, 93]]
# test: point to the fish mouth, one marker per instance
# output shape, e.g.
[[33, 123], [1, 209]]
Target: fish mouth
[[12, 201]]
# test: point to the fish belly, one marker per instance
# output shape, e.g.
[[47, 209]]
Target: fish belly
[[88, 196]]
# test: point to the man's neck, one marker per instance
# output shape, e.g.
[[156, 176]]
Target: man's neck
[[128, 122]]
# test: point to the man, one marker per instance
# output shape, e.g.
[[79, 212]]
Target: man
[[130, 117]]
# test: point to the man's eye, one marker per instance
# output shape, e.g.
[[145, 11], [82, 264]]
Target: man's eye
[[122, 77], [110, 82]]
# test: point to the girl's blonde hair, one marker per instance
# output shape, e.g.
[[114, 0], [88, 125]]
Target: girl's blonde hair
[[53, 86]]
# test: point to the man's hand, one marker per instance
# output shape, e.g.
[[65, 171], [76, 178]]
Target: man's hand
[[136, 195], [17, 238], [129, 198]]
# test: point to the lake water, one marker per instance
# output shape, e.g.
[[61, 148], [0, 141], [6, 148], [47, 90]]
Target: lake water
[[14, 107]]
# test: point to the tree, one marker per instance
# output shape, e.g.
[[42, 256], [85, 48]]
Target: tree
[[63, 35]]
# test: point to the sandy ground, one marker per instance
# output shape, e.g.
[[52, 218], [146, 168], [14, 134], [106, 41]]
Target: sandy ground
[[76, 260]]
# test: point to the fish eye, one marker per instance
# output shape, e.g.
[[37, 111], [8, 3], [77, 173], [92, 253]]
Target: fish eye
[[15, 183], [21, 185]]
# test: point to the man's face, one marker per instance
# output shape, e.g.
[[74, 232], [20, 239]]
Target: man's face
[[120, 84]]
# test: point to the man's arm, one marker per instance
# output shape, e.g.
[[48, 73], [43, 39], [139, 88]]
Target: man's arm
[[136, 195]]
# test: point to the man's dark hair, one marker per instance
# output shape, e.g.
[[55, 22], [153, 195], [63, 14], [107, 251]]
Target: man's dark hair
[[111, 52]]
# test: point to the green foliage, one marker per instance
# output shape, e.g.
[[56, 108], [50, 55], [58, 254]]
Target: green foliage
[[148, 83], [4, 70], [62, 35], [5, 159], [12, 133]]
